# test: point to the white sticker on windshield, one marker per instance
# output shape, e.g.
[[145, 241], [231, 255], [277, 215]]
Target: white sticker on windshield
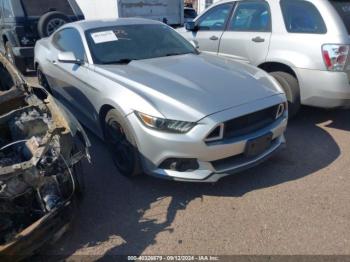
[[104, 37]]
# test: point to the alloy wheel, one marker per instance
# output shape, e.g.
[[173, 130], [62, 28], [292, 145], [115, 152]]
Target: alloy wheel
[[54, 24], [122, 150]]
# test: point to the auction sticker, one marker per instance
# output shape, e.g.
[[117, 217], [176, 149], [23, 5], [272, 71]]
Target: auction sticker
[[104, 37]]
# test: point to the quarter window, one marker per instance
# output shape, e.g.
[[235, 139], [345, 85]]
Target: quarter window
[[302, 17], [69, 40], [216, 18], [251, 16]]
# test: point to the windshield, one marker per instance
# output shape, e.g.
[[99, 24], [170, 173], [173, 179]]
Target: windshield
[[343, 9], [40, 7], [121, 44]]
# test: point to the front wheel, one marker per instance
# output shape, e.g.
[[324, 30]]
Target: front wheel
[[290, 86], [122, 145]]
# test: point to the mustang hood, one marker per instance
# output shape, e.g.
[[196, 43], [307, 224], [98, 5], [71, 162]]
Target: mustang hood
[[192, 86]]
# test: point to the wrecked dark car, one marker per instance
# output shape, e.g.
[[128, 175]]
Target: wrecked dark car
[[41, 173]]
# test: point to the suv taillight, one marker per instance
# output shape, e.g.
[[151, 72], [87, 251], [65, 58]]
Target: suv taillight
[[335, 56]]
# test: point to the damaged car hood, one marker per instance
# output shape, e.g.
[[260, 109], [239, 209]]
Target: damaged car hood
[[171, 84]]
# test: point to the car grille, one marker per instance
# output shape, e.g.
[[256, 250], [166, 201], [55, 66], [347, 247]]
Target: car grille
[[250, 123], [228, 163]]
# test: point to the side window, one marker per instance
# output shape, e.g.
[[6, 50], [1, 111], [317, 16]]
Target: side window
[[302, 17], [7, 9], [252, 16], [69, 40], [215, 19]]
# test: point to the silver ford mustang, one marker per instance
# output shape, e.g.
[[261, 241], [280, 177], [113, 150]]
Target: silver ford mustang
[[163, 107]]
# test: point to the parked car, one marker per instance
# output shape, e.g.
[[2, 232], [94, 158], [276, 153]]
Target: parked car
[[41, 176], [304, 44], [22, 22], [161, 106], [190, 14]]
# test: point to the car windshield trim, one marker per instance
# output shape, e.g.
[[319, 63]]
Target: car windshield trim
[[120, 61]]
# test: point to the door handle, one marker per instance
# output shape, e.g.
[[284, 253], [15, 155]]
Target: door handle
[[54, 62], [258, 39], [214, 38]]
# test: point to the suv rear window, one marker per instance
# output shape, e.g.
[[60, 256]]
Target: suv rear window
[[343, 9], [40, 7], [302, 17]]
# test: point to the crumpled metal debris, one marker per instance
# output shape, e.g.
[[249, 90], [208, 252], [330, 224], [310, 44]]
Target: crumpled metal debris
[[39, 148]]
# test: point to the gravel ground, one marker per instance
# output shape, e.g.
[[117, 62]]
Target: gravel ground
[[296, 203]]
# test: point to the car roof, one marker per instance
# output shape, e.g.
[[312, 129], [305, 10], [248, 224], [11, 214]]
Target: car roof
[[229, 1], [86, 25]]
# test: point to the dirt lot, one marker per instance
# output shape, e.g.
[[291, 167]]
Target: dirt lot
[[296, 203]]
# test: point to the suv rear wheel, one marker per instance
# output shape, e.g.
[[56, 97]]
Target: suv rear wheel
[[50, 22], [290, 86], [19, 63]]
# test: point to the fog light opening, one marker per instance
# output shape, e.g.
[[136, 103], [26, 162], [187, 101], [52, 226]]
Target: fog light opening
[[180, 164]]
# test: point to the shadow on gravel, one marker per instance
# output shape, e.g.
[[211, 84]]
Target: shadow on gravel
[[114, 207]]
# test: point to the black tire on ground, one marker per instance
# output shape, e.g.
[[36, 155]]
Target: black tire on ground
[[122, 144], [79, 171], [43, 80], [290, 85], [18, 62], [50, 22]]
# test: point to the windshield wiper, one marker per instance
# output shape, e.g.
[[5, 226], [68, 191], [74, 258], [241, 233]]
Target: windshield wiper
[[120, 61], [175, 54]]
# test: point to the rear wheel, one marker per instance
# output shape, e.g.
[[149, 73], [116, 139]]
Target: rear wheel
[[122, 145], [50, 22], [19, 63], [290, 86]]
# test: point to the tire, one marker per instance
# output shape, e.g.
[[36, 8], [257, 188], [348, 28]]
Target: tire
[[78, 171], [291, 87], [43, 80], [16, 61], [50, 22], [122, 145]]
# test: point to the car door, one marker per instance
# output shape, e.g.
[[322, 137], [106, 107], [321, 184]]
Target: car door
[[70, 81], [210, 27], [248, 33]]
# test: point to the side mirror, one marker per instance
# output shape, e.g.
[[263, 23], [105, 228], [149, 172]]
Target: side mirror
[[191, 26], [69, 58]]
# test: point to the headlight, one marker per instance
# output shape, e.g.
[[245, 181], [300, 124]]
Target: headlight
[[165, 125]]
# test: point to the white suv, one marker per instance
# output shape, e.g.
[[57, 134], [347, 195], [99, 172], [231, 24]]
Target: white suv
[[304, 44]]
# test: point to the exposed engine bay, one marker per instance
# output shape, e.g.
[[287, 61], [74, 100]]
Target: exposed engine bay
[[40, 154]]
